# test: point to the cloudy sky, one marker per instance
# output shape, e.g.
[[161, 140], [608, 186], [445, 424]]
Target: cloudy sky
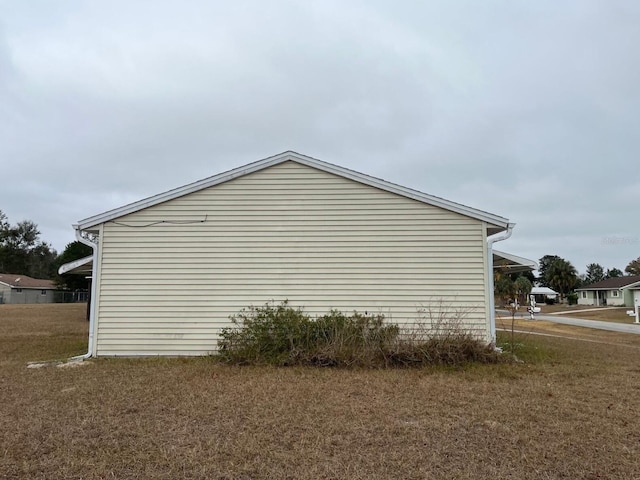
[[526, 109]]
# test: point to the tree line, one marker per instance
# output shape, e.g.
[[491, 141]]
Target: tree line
[[22, 252], [558, 274]]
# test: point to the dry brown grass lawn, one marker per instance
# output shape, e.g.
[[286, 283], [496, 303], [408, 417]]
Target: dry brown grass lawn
[[528, 328], [618, 315], [560, 307], [569, 411]]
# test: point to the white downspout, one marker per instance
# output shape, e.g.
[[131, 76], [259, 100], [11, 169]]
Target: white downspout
[[498, 237], [94, 298]]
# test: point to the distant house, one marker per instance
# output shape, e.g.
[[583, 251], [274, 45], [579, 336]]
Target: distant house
[[23, 289], [617, 291], [169, 270], [543, 293], [636, 295]]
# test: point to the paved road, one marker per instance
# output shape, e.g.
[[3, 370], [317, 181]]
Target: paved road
[[581, 322]]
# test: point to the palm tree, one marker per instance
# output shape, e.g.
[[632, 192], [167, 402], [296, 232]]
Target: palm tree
[[523, 287], [562, 276]]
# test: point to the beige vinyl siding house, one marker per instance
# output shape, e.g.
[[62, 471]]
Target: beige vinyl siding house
[[172, 269]]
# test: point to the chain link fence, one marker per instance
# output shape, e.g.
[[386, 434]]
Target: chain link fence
[[78, 296]]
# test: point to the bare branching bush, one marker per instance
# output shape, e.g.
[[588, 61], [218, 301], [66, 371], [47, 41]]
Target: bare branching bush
[[282, 335], [440, 337]]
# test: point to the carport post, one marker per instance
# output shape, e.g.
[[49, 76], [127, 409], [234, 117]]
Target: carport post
[[637, 310], [89, 279]]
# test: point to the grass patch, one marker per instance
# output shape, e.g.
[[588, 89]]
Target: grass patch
[[526, 348], [43, 332], [561, 307], [589, 312], [619, 315], [569, 415]]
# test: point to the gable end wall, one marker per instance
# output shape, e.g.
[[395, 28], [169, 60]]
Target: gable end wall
[[171, 275]]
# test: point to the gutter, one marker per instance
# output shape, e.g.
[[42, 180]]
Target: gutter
[[93, 299], [498, 237]]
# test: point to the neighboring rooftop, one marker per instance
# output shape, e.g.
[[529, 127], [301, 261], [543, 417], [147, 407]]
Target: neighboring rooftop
[[613, 283], [543, 291], [22, 281]]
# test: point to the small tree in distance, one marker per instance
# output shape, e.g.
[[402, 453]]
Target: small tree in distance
[[504, 287], [543, 267], [22, 251], [595, 273], [522, 287], [614, 273], [634, 267]]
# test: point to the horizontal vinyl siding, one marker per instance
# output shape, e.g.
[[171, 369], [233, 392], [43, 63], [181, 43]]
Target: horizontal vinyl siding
[[171, 275]]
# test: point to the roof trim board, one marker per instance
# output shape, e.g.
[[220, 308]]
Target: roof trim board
[[22, 287], [489, 218]]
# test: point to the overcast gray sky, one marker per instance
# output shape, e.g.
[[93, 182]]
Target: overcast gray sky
[[526, 109]]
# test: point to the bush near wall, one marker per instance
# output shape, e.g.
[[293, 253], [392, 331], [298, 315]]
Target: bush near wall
[[282, 335], [572, 299]]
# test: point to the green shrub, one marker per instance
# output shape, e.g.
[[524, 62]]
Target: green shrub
[[281, 335], [572, 299], [549, 300], [268, 334], [343, 340]]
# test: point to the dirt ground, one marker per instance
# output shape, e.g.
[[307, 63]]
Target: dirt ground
[[568, 411]]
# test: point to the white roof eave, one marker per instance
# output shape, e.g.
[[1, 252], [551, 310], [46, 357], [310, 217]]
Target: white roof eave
[[520, 263], [82, 265]]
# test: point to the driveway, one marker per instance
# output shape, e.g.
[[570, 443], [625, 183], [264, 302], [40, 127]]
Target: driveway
[[580, 322]]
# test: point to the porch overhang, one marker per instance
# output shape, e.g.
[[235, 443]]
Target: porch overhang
[[82, 266], [512, 263]]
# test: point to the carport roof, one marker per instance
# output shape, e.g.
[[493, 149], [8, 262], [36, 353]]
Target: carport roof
[[82, 266], [512, 263]]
